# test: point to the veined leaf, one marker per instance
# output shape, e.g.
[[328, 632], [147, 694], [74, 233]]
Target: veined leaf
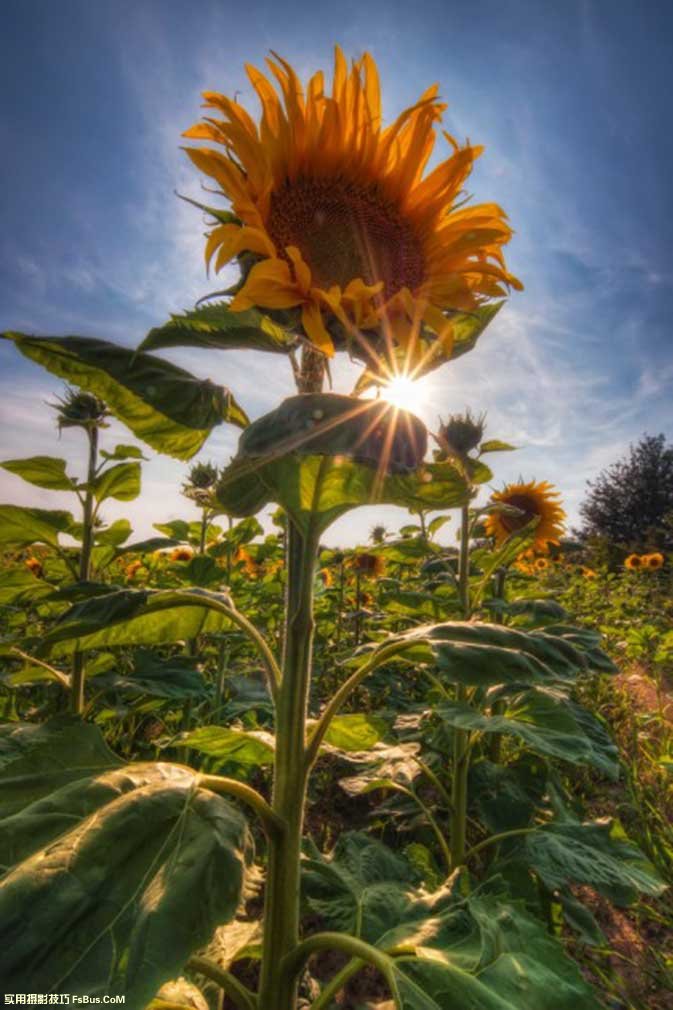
[[162, 404], [115, 534], [126, 871], [43, 471], [20, 525], [134, 617], [121, 482], [356, 731], [254, 748], [319, 455], [214, 325], [545, 720]]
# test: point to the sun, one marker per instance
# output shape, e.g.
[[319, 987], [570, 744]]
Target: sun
[[404, 393]]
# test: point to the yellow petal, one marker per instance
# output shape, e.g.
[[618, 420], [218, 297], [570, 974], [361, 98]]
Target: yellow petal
[[314, 328], [270, 285]]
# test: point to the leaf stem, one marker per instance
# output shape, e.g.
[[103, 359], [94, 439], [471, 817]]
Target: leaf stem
[[235, 990]]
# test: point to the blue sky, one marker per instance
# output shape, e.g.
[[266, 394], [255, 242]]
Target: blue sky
[[571, 100]]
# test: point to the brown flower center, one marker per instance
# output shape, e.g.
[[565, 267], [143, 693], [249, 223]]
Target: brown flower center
[[344, 231], [527, 505]]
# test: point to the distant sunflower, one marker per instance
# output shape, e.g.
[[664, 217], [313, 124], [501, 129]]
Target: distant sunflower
[[535, 501], [336, 212], [653, 561], [34, 566], [182, 554], [369, 565], [634, 562], [541, 564], [588, 573]]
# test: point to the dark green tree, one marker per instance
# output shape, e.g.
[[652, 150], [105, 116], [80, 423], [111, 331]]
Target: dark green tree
[[630, 503]]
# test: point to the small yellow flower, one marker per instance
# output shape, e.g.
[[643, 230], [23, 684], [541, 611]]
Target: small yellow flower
[[541, 564], [326, 577], [634, 562], [34, 566], [182, 554], [588, 573], [131, 569], [653, 561]]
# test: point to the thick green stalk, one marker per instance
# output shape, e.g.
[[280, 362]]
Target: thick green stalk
[[77, 690], [498, 707], [461, 753], [278, 991]]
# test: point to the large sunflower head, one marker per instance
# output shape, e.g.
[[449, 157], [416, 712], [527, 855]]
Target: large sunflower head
[[337, 214], [533, 501]]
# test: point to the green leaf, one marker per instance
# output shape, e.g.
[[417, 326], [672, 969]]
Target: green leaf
[[19, 587], [43, 471], [126, 871], [162, 404], [495, 445], [597, 853], [357, 731], [253, 749], [176, 677], [177, 529], [484, 952], [215, 326], [115, 534], [480, 654], [134, 617], [437, 523], [545, 721], [20, 525], [363, 887], [121, 482], [123, 452], [319, 455], [38, 759]]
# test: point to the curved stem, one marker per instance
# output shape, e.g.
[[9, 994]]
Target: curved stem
[[293, 963], [439, 834], [235, 990], [273, 824], [461, 738], [347, 688], [496, 839], [337, 983], [190, 599], [61, 678]]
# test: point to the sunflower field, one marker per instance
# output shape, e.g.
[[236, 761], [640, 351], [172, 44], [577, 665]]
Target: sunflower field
[[244, 769]]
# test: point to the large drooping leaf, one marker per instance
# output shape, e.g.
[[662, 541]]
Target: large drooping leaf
[[546, 722], [319, 455], [356, 731], [125, 875], [597, 853], [19, 525], [442, 951], [480, 654], [363, 887], [36, 759], [215, 326], [162, 404], [135, 617], [43, 471], [508, 796]]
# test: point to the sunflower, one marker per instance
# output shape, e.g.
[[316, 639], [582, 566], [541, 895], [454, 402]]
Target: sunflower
[[326, 576], [336, 214], [534, 501], [634, 562], [653, 561], [541, 564], [369, 565], [34, 566], [182, 554], [588, 573]]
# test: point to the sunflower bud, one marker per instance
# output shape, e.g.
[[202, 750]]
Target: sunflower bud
[[200, 483], [78, 409], [460, 435]]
